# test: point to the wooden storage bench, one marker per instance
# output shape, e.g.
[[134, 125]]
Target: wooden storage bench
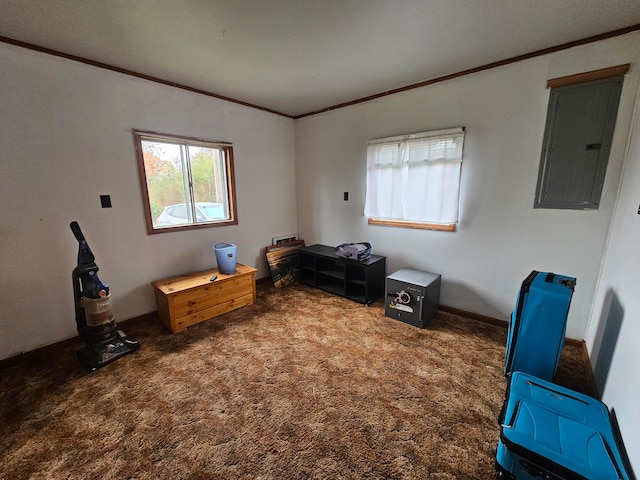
[[185, 300]]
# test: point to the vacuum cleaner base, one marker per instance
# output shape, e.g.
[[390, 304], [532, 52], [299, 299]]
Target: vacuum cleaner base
[[96, 356]]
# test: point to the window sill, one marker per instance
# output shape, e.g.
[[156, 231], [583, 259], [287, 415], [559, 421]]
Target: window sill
[[404, 224], [189, 226]]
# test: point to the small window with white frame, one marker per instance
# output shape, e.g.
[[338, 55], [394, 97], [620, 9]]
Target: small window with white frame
[[187, 183], [414, 180]]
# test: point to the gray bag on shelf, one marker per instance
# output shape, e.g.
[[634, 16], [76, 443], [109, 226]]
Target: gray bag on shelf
[[355, 251]]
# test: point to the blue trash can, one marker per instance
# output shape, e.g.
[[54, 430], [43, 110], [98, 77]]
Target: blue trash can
[[225, 257]]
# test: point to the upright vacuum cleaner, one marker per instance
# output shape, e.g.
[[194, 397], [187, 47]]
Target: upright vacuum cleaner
[[94, 315]]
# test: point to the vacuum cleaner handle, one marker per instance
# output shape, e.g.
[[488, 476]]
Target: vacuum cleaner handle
[[77, 232], [86, 259], [87, 270]]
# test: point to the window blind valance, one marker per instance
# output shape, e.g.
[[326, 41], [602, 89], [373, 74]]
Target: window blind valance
[[446, 133]]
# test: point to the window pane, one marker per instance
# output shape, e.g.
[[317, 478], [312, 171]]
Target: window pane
[[209, 183], [165, 182]]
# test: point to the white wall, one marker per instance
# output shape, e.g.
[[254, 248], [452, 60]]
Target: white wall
[[614, 333], [501, 237], [66, 137]]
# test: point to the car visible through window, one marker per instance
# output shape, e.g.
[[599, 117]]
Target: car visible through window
[[181, 214]]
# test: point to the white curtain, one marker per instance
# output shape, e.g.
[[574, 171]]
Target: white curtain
[[415, 177]]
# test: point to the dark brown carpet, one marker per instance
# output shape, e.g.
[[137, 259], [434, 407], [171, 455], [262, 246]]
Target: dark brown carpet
[[303, 384]]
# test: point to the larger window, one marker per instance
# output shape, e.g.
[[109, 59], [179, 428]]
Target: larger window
[[187, 183], [414, 180]]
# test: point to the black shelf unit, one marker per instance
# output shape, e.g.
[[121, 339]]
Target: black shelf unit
[[362, 282]]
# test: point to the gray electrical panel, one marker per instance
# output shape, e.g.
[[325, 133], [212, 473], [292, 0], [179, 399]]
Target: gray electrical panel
[[580, 122]]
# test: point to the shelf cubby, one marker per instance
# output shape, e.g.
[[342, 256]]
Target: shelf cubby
[[361, 281]]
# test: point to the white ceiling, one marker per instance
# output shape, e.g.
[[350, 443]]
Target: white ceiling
[[300, 56]]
